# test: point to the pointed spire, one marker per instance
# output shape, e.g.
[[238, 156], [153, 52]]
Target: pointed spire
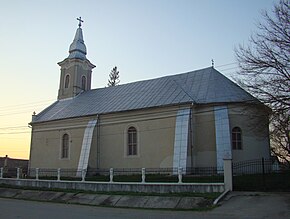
[[78, 48]]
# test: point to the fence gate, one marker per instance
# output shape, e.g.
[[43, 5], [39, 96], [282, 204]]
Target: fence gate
[[261, 175]]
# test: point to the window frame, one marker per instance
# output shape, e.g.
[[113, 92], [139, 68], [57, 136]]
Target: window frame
[[132, 142], [65, 146], [131, 148], [84, 82], [237, 142], [66, 81]]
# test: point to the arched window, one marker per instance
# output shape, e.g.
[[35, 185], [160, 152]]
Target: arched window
[[237, 138], [65, 146], [132, 141], [66, 81], [84, 82]]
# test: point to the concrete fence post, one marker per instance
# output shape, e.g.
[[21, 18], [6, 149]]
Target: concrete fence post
[[58, 174], [1, 172], [18, 172], [37, 173], [111, 175], [83, 175], [143, 175], [179, 174], [228, 174]]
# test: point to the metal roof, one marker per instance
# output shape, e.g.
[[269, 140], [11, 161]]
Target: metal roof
[[197, 87], [78, 48]]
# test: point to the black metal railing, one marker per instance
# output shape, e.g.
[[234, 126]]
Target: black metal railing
[[261, 175]]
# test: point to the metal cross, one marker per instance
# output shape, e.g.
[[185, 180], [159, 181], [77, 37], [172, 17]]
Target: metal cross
[[80, 21]]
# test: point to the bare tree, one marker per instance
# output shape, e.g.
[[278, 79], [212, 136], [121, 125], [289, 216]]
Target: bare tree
[[114, 77], [264, 72]]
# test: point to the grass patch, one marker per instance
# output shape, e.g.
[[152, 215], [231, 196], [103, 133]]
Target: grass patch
[[258, 182], [161, 178], [208, 196]]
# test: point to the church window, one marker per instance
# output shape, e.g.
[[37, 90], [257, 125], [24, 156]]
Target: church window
[[132, 141], [66, 81], [65, 146], [84, 82], [237, 138]]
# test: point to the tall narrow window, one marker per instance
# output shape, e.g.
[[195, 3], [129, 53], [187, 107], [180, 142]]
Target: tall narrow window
[[66, 81], [84, 82], [237, 138], [132, 141], [65, 146]]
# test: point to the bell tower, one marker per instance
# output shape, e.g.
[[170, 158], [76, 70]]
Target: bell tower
[[76, 69]]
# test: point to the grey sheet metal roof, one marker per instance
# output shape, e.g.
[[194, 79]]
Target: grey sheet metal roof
[[197, 87]]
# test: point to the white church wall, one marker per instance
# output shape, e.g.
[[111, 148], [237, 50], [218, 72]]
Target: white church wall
[[255, 132], [47, 140], [155, 131], [204, 150]]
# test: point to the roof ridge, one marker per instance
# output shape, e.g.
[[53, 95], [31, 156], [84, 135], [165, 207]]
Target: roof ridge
[[232, 83], [186, 92], [151, 79]]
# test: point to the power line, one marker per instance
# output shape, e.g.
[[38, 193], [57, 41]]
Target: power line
[[171, 116], [15, 113], [13, 127], [13, 133], [232, 63], [40, 103], [23, 104], [31, 108], [229, 69], [21, 110], [146, 114], [6, 110]]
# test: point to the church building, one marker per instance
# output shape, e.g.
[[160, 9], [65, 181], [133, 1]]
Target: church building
[[193, 119]]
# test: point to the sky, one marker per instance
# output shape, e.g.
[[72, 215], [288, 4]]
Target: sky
[[144, 39]]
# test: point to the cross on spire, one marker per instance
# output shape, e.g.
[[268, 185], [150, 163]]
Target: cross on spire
[[80, 21]]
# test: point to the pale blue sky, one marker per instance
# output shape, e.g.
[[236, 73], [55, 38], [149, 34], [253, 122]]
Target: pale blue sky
[[144, 39]]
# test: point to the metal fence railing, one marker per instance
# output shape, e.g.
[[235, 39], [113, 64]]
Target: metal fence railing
[[257, 166], [261, 175], [12, 172], [172, 175]]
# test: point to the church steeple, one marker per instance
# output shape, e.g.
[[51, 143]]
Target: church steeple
[[76, 69], [78, 48]]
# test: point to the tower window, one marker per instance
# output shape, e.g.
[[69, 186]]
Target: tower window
[[132, 141], [237, 138], [65, 146], [84, 82], [66, 81]]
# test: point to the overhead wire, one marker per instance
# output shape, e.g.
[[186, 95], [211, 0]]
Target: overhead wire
[[231, 107], [232, 63], [13, 127], [32, 105], [23, 104]]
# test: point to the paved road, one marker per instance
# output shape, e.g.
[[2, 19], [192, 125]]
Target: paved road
[[238, 206]]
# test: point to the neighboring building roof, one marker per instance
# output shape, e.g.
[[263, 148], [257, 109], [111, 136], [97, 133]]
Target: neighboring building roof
[[13, 163], [197, 87]]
